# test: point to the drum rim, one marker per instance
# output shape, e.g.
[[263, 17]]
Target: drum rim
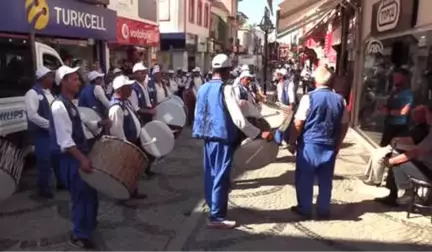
[[161, 125], [127, 142], [110, 175]]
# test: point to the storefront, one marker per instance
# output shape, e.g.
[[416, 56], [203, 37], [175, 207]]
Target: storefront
[[396, 34], [136, 41], [76, 30]]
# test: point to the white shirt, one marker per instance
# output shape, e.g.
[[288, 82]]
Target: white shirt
[[63, 125], [304, 108], [198, 82], [173, 85], [236, 81], [109, 88], [99, 93], [116, 115], [251, 109], [133, 99], [160, 93], [31, 100]]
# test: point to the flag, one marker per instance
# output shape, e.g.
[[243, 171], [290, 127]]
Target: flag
[[270, 4]]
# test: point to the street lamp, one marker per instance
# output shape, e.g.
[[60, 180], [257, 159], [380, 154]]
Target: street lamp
[[267, 27]]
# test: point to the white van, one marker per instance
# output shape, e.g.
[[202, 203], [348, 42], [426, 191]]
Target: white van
[[18, 60]]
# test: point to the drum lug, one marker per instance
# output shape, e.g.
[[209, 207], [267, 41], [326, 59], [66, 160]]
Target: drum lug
[[154, 140]]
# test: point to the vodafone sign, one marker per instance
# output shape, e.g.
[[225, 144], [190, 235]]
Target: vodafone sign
[[132, 32]]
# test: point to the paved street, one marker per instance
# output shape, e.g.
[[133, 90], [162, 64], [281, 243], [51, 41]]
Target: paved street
[[172, 217]]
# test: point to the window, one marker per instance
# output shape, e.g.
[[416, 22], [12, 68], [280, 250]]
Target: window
[[192, 11], [51, 61], [413, 53], [16, 67], [206, 15], [199, 12]]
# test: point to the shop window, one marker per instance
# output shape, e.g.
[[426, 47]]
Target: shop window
[[412, 55], [192, 11], [206, 15], [199, 12], [16, 68], [51, 61]]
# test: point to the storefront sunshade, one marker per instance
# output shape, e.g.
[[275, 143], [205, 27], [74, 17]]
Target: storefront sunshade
[[320, 29], [306, 15]]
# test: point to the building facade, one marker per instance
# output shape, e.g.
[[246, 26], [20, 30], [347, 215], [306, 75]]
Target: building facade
[[137, 32], [184, 31]]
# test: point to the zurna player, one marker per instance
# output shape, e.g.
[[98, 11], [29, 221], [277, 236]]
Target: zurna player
[[219, 130]]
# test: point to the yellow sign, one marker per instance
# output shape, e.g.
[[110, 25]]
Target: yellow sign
[[38, 12]]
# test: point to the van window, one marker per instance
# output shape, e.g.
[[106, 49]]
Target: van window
[[51, 61], [16, 67]]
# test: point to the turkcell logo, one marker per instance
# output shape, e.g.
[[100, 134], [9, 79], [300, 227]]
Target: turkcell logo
[[12, 115]]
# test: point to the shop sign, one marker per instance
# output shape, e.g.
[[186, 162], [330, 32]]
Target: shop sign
[[374, 47], [132, 32], [393, 15], [63, 18]]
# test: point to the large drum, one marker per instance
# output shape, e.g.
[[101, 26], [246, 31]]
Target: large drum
[[257, 153], [176, 99], [272, 114], [172, 114], [157, 139], [117, 166], [11, 166], [88, 114]]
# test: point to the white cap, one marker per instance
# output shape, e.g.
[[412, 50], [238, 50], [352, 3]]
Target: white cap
[[117, 70], [245, 68], [42, 71], [245, 74], [184, 70], [63, 71], [221, 61], [93, 75], [210, 72], [156, 69], [171, 71], [121, 81], [139, 67], [196, 69]]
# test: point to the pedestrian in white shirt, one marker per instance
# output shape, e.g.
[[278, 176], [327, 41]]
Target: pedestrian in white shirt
[[38, 101], [125, 123], [93, 96], [140, 98], [109, 90], [74, 147]]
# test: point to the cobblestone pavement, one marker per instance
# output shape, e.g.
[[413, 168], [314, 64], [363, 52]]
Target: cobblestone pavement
[[173, 218]]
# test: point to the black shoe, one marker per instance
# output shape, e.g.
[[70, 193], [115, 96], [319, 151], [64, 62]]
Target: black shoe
[[323, 216], [60, 187], [137, 195], [296, 210], [82, 243], [388, 201], [46, 195], [150, 173]]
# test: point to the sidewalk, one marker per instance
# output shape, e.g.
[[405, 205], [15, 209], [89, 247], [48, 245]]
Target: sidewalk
[[172, 217]]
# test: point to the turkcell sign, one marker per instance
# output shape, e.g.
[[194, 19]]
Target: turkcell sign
[[79, 19], [65, 18]]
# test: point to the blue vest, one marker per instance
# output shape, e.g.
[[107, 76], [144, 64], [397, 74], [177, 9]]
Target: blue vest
[[243, 92], [89, 100], [129, 128], [44, 111], [77, 129], [153, 91], [142, 103], [322, 125], [212, 120]]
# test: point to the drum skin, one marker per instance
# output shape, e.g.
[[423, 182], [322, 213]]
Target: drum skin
[[273, 115], [88, 114], [162, 135], [170, 113], [118, 164]]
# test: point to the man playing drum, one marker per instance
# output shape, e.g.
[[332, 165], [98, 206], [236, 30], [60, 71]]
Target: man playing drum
[[125, 123], [39, 116], [158, 92], [218, 118], [320, 124], [93, 95], [245, 97], [172, 83], [254, 86], [74, 147], [141, 102]]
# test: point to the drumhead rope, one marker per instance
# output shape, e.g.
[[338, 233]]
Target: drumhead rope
[[11, 165]]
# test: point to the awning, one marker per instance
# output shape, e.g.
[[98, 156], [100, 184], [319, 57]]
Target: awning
[[303, 16], [320, 30]]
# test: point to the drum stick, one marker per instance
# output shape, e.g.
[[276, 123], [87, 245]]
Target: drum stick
[[154, 140], [254, 155]]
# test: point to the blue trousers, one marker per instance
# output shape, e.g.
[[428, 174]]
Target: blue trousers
[[281, 136], [44, 160], [84, 198], [217, 168], [314, 161]]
